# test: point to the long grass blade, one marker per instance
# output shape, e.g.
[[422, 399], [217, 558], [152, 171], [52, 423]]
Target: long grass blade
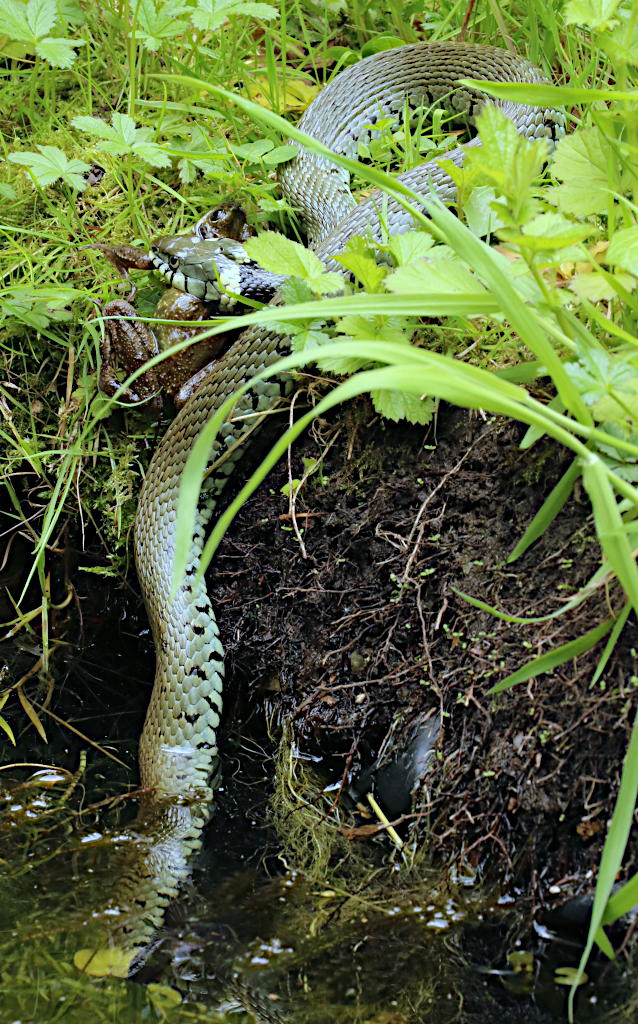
[[554, 658]]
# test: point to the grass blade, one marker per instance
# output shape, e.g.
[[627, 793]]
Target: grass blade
[[558, 656]]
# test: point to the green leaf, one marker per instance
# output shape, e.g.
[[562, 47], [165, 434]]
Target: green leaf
[[604, 945], [157, 22], [122, 137], [211, 14], [363, 329], [399, 405], [569, 976], [549, 231], [479, 211], [38, 307], [411, 247], [4, 725], [597, 374], [505, 159], [279, 155], [441, 272], [41, 16], [280, 255], [294, 290], [548, 511], [198, 153], [31, 23], [254, 151], [50, 165], [558, 656], [623, 249], [598, 287], [366, 270], [610, 528], [13, 21], [594, 14], [615, 843], [60, 53], [622, 901], [589, 170]]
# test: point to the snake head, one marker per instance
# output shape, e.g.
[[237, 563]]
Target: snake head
[[194, 264]]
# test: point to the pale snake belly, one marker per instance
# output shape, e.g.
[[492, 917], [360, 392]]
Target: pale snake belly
[[178, 750]]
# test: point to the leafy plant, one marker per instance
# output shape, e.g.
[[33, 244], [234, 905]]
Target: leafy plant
[[28, 25]]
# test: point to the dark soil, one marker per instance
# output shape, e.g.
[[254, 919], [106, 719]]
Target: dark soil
[[364, 628], [351, 636]]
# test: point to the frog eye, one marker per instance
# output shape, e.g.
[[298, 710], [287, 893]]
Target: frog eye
[[173, 262]]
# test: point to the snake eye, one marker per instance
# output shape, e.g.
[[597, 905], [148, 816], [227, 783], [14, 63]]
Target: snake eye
[[173, 262]]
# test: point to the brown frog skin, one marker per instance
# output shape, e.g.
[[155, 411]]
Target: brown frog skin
[[129, 343]]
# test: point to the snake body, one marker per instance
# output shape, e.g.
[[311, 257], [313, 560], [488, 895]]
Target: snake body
[[178, 750]]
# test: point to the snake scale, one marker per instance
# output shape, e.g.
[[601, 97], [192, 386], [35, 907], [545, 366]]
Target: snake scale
[[178, 751]]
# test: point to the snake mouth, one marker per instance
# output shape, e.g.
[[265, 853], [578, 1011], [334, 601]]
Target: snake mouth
[[175, 276]]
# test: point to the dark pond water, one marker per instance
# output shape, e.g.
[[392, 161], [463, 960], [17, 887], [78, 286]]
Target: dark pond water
[[381, 940]]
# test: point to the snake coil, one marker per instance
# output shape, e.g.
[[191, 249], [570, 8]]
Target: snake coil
[[178, 749]]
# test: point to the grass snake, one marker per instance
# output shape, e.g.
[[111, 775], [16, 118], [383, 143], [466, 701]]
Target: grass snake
[[178, 750]]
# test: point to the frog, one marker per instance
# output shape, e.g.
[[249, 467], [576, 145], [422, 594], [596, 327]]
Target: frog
[[128, 343]]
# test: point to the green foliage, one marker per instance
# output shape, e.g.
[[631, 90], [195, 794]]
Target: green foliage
[[50, 164], [158, 22], [122, 137], [588, 179], [38, 307], [280, 255], [29, 25], [560, 289], [212, 14]]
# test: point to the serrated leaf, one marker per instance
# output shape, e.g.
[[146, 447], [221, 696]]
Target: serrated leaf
[[280, 255], [122, 137], [505, 159], [156, 22], [211, 14], [13, 21], [41, 16], [589, 171], [399, 405], [623, 249], [7, 191], [50, 165], [294, 290], [366, 270], [549, 231], [307, 337], [441, 273], [414, 245], [594, 14], [359, 327], [325, 284], [60, 53], [597, 287]]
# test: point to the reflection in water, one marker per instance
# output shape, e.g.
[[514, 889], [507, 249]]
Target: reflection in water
[[250, 943]]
